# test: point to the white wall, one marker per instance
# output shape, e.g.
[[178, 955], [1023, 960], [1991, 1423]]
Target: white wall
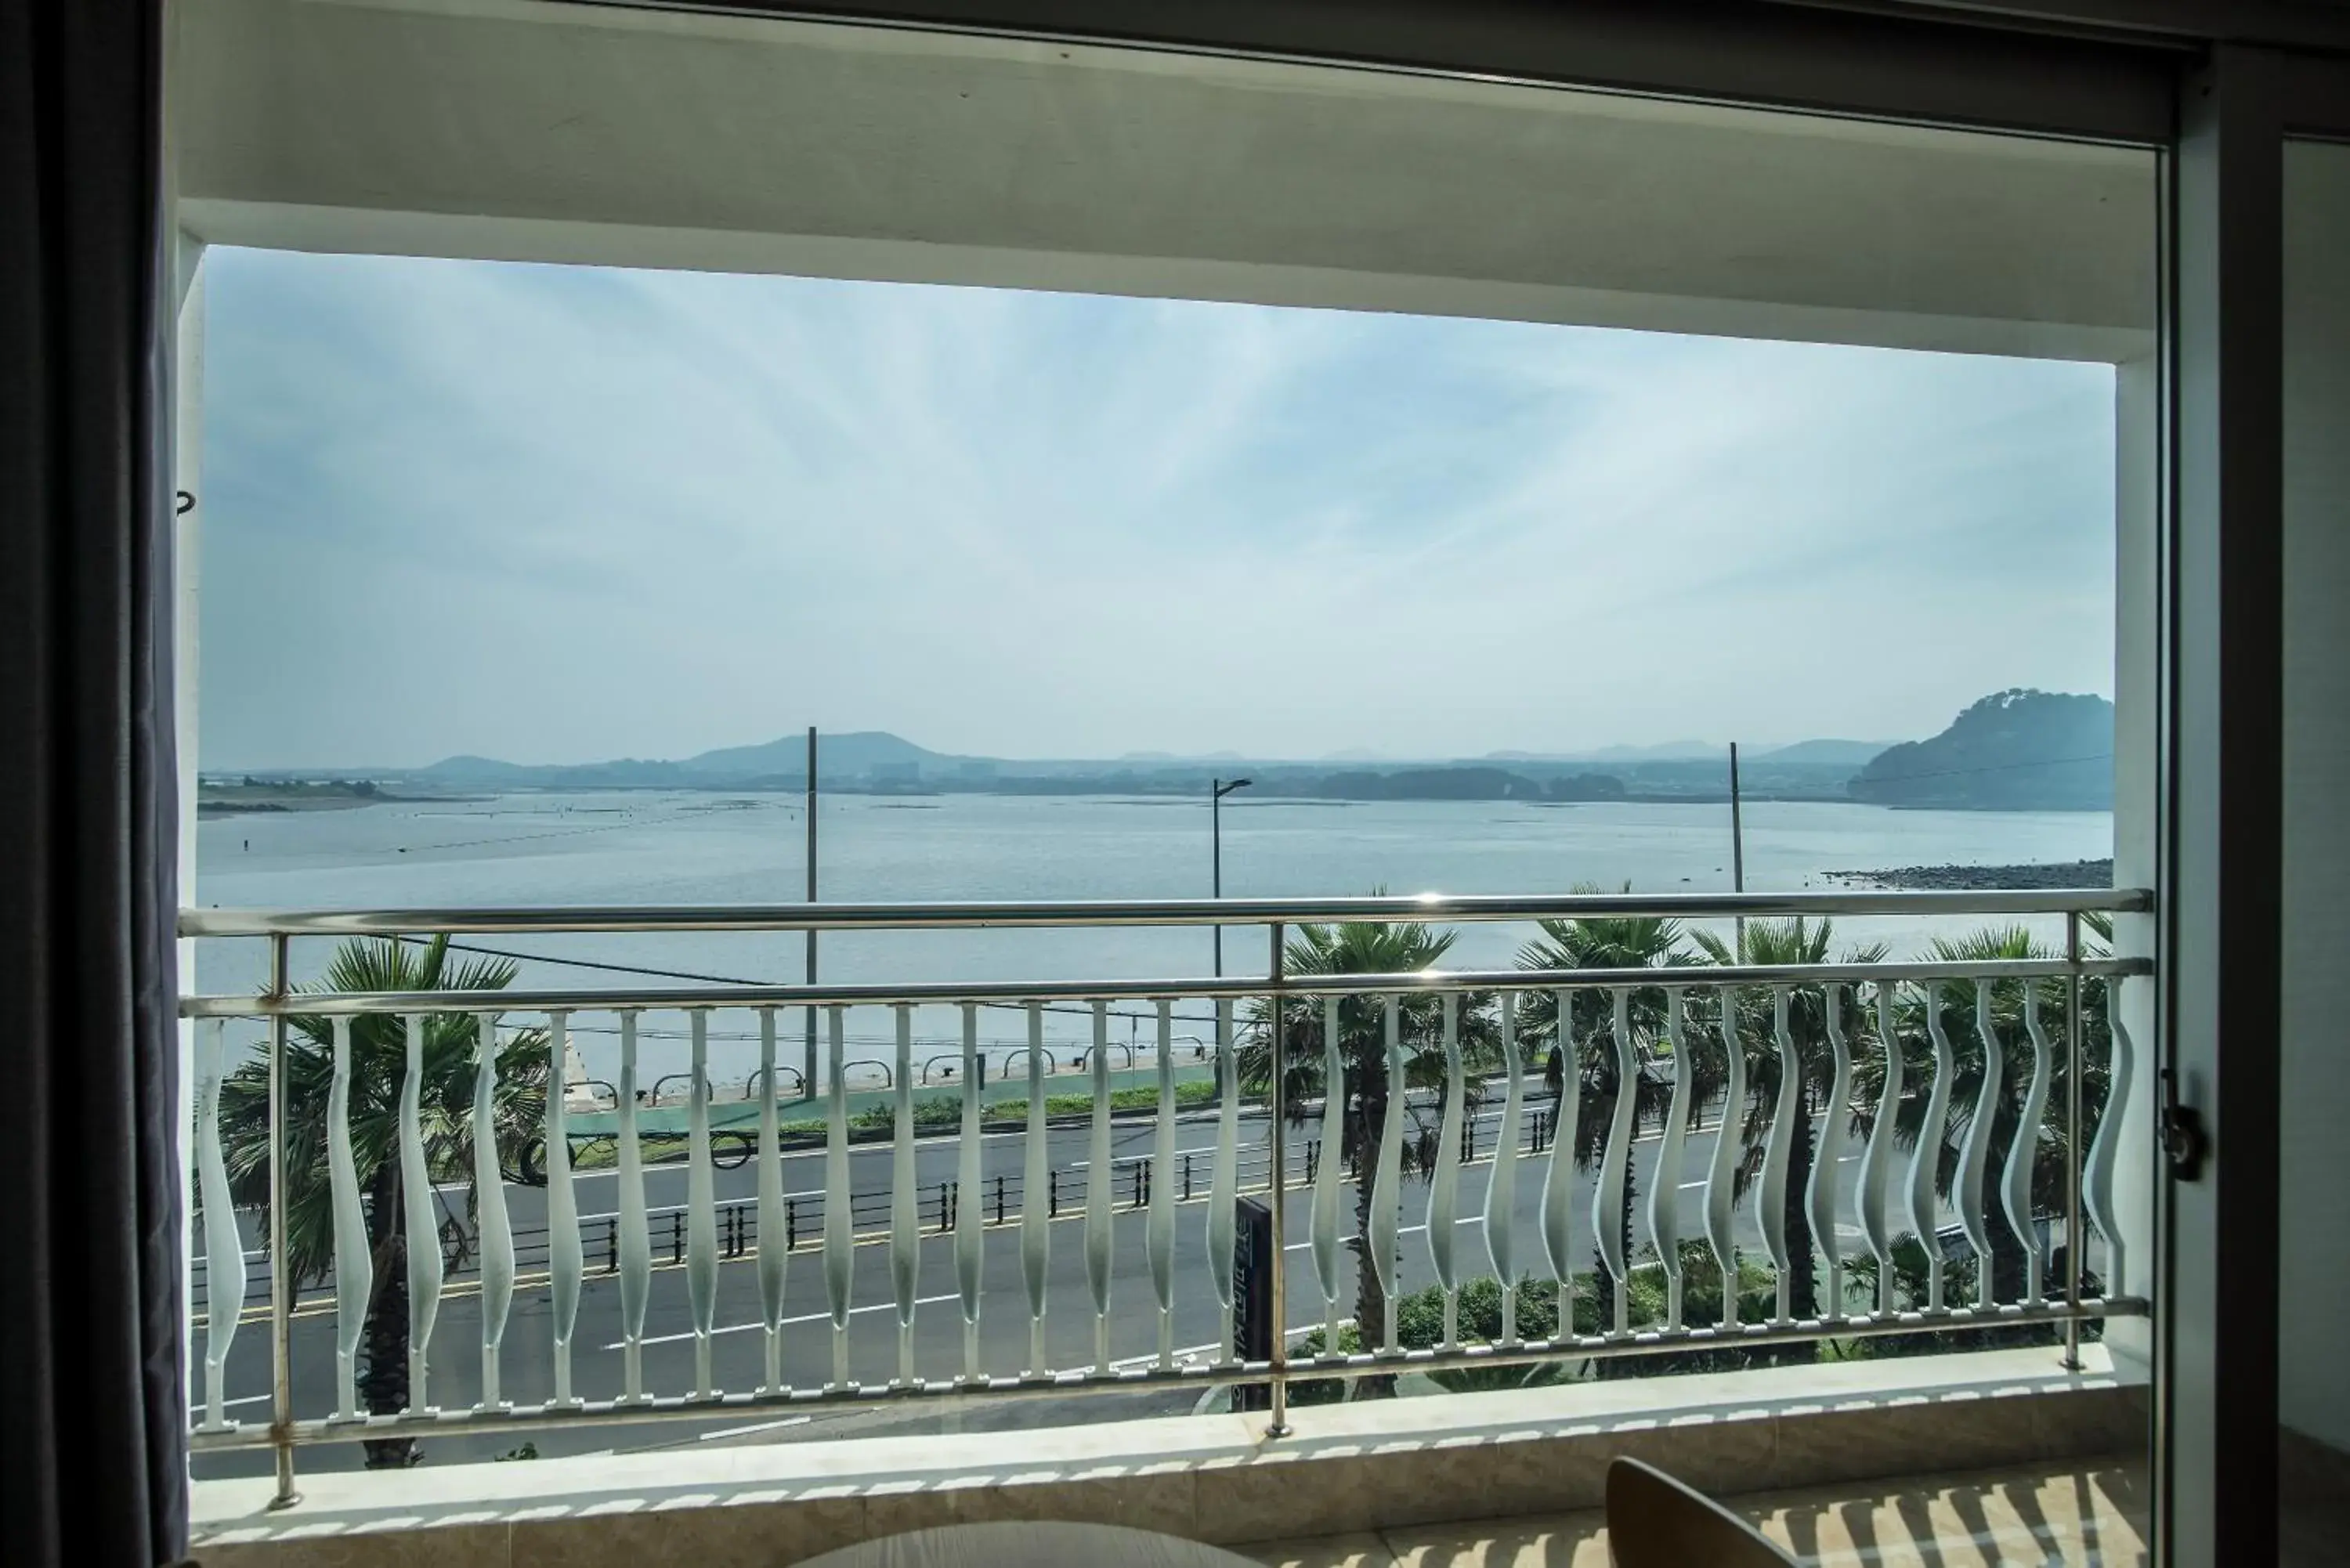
[[2313, 1272], [613, 135]]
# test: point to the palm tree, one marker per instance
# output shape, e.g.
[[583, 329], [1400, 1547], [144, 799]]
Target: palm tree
[[1790, 941], [1366, 948], [2052, 1154], [1628, 942], [378, 1062]]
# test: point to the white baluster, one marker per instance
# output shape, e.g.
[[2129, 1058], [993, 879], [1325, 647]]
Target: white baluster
[[1664, 1185], [2097, 1173], [1444, 1189], [1558, 1182], [567, 1261], [1387, 1185], [492, 1231], [1974, 1155], [423, 1227], [1100, 1191], [1722, 1182], [1325, 1177], [1771, 1195], [1160, 1233], [1223, 1183], [1926, 1156], [970, 1197], [905, 1234], [839, 1205], [2024, 1153], [1876, 1217], [636, 1231], [354, 1259], [224, 1243], [1502, 1184], [1036, 1205], [1828, 1154], [1608, 1222], [775, 1252], [700, 1208]]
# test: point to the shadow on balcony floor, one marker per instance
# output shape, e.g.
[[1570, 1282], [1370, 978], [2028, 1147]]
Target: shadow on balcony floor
[[2084, 1513]]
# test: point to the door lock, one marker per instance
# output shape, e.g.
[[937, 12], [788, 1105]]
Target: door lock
[[2184, 1142]]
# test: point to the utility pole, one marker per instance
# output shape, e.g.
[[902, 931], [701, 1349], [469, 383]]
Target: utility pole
[[1737, 850], [807, 1075], [1217, 790]]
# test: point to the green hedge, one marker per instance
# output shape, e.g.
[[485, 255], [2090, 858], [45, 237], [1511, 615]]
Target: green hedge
[[940, 1112], [1143, 1097], [1419, 1325]]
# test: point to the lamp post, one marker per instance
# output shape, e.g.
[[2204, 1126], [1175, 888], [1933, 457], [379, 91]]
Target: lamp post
[[1217, 790]]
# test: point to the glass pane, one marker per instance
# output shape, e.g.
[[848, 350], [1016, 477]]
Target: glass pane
[[2313, 1220], [1086, 436]]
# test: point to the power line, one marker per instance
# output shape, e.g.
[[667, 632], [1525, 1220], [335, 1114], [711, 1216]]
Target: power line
[[644, 970], [629, 969]]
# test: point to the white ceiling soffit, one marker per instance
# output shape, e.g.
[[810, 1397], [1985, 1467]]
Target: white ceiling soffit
[[518, 130]]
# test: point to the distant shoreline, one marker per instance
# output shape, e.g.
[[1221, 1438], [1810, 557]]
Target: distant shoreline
[[1986, 879], [270, 800]]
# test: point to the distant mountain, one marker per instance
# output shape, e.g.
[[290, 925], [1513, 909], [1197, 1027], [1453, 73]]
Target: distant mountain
[[1667, 752], [488, 772], [2012, 750], [1415, 784], [857, 752], [1173, 757], [1828, 753], [864, 753], [877, 760]]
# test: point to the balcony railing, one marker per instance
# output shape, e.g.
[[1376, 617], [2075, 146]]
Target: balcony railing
[[1908, 1034]]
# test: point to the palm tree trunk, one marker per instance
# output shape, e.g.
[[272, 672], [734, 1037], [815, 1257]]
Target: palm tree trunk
[[1604, 1284], [1802, 1260], [383, 1344], [1370, 1297], [2010, 1265]]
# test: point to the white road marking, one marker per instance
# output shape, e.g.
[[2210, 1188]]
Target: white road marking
[[197, 1412], [1130, 1160], [1186, 1352], [789, 1321], [1406, 1231], [756, 1427]]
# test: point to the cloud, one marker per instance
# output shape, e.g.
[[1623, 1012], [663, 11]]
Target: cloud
[[565, 514]]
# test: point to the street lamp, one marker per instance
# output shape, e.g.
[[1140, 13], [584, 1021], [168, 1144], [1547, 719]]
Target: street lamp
[[1217, 790]]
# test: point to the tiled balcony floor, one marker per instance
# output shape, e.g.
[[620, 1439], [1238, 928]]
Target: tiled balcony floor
[[2072, 1512]]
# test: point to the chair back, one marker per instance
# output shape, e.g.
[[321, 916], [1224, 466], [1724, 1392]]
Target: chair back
[[1655, 1521]]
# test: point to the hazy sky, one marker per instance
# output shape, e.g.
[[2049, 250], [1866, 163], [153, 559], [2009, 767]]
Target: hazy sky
[[559, 514]]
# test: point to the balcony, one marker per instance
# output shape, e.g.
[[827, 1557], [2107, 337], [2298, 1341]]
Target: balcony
[[965, 1279]]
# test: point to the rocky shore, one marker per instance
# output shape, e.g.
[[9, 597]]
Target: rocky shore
[[1978, 878]]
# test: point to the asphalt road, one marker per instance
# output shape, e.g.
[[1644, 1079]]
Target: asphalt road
[[526, 1364]]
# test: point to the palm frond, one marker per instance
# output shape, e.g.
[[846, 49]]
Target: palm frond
[[450, 1046]]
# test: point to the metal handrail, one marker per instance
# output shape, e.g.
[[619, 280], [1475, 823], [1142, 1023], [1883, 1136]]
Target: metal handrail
[[1877, 1200], [1148, 912], [631, 998]]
